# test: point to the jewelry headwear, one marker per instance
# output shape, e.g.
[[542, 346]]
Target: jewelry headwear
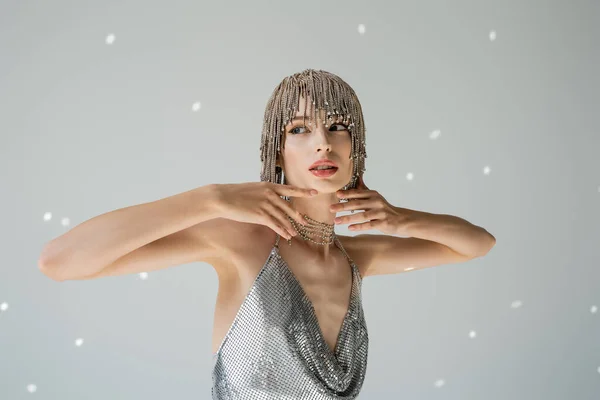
[[328, 92]]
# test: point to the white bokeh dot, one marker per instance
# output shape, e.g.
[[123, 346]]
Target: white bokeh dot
[[594, 309], [31, 388], [4, 306], [493, 35], [516, 304], [65, 221], [440, 383], [47, 216], [472, 334], [110, 39], [143, 275], [435, 134], [361, 29], [196, 106], [486, 170], [410, 176]]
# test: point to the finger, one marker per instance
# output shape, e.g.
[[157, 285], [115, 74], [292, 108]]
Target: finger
[[357, 204], [358, 217], [355, 194], [293, 191], [365, 226], [273, 223], [281, 218], [287, 208]]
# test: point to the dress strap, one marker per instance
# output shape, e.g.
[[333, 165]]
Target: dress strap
[[277, 241], [341, 247]]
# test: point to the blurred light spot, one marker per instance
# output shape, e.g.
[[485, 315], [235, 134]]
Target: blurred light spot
[[516, 304], [435, 134]]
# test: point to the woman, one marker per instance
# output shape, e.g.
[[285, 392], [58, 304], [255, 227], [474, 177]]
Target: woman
[[289, 322]]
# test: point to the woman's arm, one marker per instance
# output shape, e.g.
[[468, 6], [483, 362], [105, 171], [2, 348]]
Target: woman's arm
[[98, 242]]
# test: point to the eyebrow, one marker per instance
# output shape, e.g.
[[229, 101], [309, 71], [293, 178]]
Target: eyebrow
[[300, 117]]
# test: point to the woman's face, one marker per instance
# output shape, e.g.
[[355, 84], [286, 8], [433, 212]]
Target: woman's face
[[303, 144]]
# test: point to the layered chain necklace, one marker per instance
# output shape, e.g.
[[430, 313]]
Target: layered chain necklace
[[314, 230]]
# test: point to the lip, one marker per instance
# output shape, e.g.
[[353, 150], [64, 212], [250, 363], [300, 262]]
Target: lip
[[323, 173], [323, 161]]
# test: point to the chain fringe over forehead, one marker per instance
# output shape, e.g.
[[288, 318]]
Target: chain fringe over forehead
[[328, 92]]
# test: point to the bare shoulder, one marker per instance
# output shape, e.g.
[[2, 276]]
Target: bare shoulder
[[364, 248], [355, 247]]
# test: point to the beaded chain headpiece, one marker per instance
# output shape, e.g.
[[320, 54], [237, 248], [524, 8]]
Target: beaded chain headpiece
[[328, 92]]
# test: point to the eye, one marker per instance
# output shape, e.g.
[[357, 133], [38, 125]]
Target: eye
[[293, 130], [344, 128]]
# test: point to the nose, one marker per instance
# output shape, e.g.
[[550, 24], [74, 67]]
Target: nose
[[324, 147], [323, 142]]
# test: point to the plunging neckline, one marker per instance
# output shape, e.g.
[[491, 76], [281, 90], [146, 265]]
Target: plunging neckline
[[311, 309]]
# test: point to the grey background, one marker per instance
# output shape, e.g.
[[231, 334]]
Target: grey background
[[88, 127]]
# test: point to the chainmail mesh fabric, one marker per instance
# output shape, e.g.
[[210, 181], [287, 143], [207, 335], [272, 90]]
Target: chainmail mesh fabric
[[275, 350], [328, 92]]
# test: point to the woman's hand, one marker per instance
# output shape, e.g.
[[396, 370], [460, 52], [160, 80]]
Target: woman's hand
[[378, 212], [260, 203]]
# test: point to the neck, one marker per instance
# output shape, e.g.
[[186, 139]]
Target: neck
[[323, 251], [318, 209]]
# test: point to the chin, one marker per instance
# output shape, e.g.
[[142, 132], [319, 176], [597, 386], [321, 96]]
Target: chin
[[329, 185]]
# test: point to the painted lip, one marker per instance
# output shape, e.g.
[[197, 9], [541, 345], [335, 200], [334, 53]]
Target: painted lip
[[323, 161], [323, 173]]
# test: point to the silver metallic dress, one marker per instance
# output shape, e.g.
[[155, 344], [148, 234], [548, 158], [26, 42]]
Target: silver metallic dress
[[275, 349]]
